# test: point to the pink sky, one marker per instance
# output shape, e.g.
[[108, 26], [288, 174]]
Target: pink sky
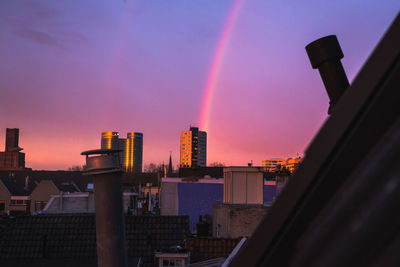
[[71, 70]]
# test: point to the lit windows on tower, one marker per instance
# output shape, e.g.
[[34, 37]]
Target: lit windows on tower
[[193, 150], [131, 155]]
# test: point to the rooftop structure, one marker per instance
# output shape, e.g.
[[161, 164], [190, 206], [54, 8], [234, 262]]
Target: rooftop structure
[[12, 158], [70, 239], [195, 197], [25, 192]]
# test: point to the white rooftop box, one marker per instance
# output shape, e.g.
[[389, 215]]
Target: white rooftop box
[[243, 185]]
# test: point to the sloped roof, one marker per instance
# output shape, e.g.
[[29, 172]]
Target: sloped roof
[[16, 179], [339, 208], [208, 263], [67, 187], [206, 248], [44, 237], [18, 186]]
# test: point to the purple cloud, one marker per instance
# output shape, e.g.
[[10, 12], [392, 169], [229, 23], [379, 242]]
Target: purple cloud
[[38, 37]]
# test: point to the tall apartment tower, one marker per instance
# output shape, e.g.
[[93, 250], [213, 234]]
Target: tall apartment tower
[[131, 155], [193, 148], [134, 152], [12, 158]]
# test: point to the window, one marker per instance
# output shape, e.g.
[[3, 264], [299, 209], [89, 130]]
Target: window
[[18, 202]]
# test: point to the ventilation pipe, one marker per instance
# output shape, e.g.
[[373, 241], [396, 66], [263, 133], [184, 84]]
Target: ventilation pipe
[[104, 165], [325, 55]]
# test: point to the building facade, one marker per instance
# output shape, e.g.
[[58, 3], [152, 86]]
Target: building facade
[[276, 164], [193, 148], [134, 152], [131, 155], [110, 140]]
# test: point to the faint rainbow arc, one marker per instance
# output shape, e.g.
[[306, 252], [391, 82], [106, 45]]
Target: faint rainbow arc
[[117, 53], [216, 65]]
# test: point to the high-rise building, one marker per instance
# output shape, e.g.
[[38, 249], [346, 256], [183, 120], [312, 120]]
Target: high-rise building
[[110, 140], [131, 155], [193, 148], [12, 158], [134, 152]]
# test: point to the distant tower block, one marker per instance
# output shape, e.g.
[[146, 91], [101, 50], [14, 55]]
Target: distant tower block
[[133, 160], [193, 148], [109, 140]]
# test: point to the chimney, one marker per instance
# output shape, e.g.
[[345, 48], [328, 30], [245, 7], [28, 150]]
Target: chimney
[[12, 136], [104, 165], [325, 55]]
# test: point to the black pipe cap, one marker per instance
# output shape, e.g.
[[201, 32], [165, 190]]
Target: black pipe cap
[[324, 49]]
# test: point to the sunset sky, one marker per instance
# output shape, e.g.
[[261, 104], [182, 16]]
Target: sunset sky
[[237, 69]]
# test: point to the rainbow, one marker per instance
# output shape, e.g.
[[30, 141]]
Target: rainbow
[[216, 65]]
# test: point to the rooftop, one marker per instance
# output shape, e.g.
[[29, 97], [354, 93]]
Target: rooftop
[[46, 238]]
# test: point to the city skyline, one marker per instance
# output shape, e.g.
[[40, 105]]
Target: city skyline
[[70, 71]]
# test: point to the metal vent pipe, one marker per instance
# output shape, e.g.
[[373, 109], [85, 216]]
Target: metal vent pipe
[[104, 165], [325, 55]]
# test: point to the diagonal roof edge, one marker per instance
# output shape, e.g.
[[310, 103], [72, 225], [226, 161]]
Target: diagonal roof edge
[[329, 142]]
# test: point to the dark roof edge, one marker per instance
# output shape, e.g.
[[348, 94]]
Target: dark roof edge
[[324, 147]]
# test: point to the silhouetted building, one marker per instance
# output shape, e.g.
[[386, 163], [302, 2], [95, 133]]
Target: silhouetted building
[[193, 148], [170, 170], [201, 172], [27, 191], [12, 158], [122, 154]]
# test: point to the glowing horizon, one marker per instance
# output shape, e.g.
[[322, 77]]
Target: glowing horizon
[[216, 66], [237, 69]]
